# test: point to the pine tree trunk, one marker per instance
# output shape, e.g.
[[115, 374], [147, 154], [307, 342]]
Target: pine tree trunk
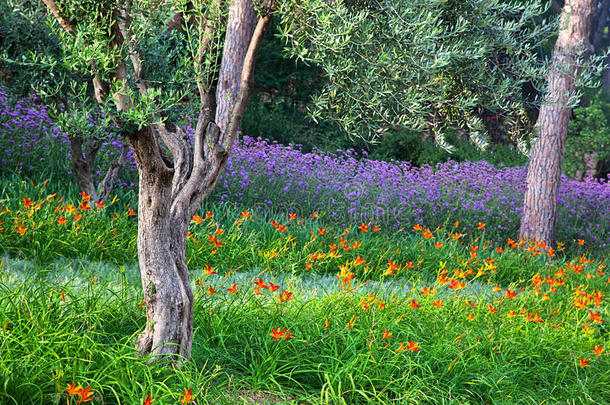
[[240, 27], [539, 216]]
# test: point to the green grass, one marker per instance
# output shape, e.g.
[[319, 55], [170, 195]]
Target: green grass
[[70, 310]]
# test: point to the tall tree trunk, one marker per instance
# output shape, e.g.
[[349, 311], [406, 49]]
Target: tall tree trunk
[[539, 216], [242, 20]]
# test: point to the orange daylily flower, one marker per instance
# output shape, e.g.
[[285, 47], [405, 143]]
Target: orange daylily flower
[[510, 294], [73, 389], [85, 196], [232, 289], [77, 217], [581, 242], [84, 395], [84, 206], [260, 283], [594, 317], [273, 287], [208, 271], [321, 231], [99, 204], [511, 314], [197, 219], [376, 228], [131, 213], [480, 225], [580, 304], [211, 290], [427, 234], [491, 309], [414, 304], [246, 214], [148, 400], [427, 291], [598, 350], [412, 346], [292, 216], [326, 323], [285, 296], [456, 284], [314, 215], [438, 303], [438, 245], [386, 334], [61, 220], [417, 227], [70, 208], [534, 317], [363, 227], [21, 230], [470, 317], [496, 288], [583, 362], [188, 396], [27, 203], [358, 261]]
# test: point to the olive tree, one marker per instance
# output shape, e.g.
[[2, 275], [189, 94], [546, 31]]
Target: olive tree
[[111, 40], [434, 65]]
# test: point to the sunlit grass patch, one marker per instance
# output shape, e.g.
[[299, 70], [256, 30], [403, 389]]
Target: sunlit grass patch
[[325, 341]]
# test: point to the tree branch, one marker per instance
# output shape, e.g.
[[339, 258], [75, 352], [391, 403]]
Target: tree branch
[[107, 184], [124, 23], [62, 21]]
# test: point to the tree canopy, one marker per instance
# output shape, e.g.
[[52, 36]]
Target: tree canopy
[[437, 65]]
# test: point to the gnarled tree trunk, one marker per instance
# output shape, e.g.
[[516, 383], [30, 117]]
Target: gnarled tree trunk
[[539, 216], [172, 188]]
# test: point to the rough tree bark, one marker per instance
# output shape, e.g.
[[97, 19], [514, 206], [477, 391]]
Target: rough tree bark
[[172, 191], [539, 216], [240, 27]]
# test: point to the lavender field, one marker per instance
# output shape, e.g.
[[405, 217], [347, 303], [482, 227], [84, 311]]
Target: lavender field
[[343, 187]]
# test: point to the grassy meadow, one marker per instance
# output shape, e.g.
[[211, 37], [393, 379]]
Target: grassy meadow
[[295, 309]]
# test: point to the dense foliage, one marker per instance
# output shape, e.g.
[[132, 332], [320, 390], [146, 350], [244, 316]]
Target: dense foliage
[[588, 143], [434, 65]]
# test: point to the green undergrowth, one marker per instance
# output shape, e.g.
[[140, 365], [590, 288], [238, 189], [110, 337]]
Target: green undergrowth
[[62, 324], [361, 314]]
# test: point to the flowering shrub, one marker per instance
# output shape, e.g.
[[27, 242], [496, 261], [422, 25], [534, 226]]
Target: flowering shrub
[[346, 186]]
